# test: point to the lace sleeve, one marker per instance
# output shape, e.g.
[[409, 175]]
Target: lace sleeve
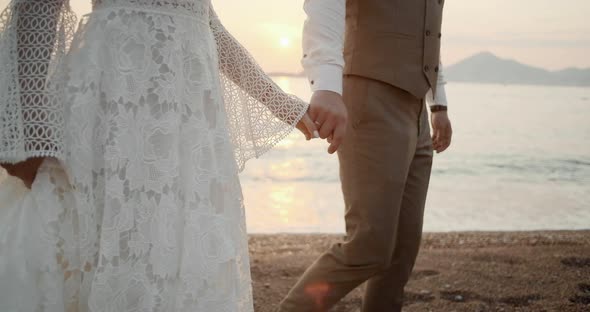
[[34, 36], [259, 113]]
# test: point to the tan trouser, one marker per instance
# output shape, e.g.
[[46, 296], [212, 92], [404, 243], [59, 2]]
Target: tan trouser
[[385, 164]]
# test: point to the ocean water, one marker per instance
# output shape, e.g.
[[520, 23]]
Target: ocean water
[[520, 160]]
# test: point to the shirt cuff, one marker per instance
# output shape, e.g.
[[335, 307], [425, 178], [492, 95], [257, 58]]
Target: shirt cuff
[[440, 96], [325, 78]]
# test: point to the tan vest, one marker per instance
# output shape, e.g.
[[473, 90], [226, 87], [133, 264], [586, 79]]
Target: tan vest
[[394, 41]]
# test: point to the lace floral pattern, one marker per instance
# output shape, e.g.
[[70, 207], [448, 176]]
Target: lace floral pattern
[[144, 210], [189, 7]]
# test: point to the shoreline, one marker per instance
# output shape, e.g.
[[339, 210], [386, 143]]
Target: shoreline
[[455, 271]]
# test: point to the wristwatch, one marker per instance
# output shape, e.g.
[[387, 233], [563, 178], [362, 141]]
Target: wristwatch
[[438, 108]]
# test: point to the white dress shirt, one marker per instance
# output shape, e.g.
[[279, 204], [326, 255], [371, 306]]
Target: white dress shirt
[[323, 45]]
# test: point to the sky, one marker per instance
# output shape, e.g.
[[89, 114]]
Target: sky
[[544, 33]]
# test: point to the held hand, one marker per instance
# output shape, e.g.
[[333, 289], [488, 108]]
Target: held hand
[[442, 132], [26, 170], [328, 112], [307, 127]]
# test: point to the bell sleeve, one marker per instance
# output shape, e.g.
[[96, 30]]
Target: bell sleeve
[[259, 113], [34, 37]]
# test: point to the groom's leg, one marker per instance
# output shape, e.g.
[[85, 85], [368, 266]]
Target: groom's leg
[[384, 292], [374, 163]]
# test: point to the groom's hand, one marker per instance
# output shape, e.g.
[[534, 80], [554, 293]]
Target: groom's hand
[[442, 131], [327, 110]]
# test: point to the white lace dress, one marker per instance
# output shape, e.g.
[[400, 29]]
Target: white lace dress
[[148, 112]]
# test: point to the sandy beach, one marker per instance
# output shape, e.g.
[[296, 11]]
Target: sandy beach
[[504, 271]]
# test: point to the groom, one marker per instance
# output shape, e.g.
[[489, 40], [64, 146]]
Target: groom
[[391, 69]]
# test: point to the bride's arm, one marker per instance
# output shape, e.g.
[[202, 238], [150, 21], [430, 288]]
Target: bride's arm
[[29, 46], [259, 113], [236, 63]]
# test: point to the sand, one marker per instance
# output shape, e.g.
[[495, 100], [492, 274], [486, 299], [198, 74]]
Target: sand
[[506, 271]]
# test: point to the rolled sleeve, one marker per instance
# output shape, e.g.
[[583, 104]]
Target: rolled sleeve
[[440, 96], [323, 41]]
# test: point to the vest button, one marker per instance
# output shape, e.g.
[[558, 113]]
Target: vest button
[[439, 35], [312, 82], [440, 1], [426, 68], [428, 33], [436, 69]]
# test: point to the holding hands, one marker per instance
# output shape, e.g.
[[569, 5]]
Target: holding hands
[[326, 118]]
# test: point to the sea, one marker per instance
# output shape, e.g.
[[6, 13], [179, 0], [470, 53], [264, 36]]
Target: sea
[[519, 161]]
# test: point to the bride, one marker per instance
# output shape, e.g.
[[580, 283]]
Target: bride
[[130, 132]]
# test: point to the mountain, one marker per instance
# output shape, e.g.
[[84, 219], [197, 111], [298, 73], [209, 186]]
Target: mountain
[[485, 67], [286, 74]]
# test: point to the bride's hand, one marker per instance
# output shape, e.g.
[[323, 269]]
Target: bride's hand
[[25, 170], [308, 127]]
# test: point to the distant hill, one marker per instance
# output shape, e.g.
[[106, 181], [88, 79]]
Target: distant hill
[[286, 74], [485, 67]]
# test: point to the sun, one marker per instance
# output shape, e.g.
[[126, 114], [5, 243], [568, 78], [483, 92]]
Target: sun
[[285, 42]]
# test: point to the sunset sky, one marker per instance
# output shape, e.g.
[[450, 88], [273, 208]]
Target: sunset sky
[[546, 33]]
